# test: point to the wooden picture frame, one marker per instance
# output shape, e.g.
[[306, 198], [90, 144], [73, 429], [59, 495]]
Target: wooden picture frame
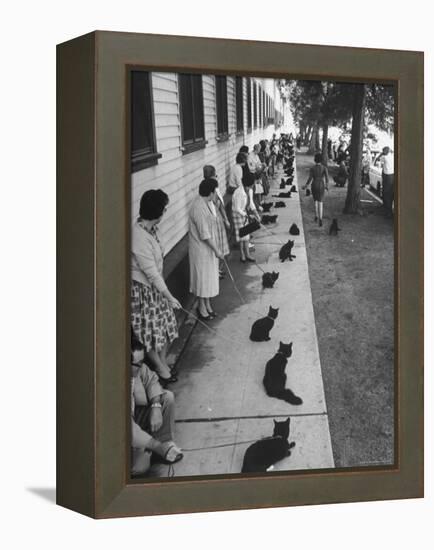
[[93, 252]]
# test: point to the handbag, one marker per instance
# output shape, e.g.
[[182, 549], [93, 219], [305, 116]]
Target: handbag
[[249, 228]]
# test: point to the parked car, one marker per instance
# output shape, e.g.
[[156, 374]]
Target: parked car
[[375, 177]]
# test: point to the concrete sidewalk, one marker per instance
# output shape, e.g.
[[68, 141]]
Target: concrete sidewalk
[[220, 398]]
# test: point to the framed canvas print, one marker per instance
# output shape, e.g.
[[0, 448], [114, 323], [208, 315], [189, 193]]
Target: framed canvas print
[[240, 274]]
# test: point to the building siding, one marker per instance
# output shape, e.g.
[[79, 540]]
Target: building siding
[[179, 174]]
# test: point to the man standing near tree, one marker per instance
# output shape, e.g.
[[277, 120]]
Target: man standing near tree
[[387, 166]]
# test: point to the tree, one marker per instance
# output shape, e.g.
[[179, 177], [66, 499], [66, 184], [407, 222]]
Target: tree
[[376, 104], [352, 201], [317, 105]]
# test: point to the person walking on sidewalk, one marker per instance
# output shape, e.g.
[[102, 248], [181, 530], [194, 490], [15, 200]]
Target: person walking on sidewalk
[[152, 304], [242, 202], [152, 416], [223, 225], [203, 251], [319, 178]]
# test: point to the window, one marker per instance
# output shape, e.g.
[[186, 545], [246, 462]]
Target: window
[[264, 121], [249, 105], [143, 143], [255, 106], [259, 105], [222, 105], [192, 120], [239, 103]]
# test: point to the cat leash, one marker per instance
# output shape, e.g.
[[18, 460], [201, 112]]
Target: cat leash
[[237, 289], [233, 444], [213, 330], [171, 468]]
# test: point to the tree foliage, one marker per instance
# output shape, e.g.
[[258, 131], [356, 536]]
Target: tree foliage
[[316, 104]]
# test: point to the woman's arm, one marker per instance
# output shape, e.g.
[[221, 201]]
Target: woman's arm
[[238, 204], [214, 248], [309, 181], [326, 177], [145, 258]]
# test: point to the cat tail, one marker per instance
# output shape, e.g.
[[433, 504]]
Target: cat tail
[[289, 396]]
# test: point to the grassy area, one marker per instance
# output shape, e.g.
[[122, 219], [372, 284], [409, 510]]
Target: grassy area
[[352, 287]]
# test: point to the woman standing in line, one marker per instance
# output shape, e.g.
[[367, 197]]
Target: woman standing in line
[[319, 177], [209, 172], [203, 251], [241, 203], [152, 317]]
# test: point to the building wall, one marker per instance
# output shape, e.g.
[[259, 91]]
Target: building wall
[[179, 175]]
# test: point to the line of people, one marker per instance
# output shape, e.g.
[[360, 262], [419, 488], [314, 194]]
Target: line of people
[[212, 225]]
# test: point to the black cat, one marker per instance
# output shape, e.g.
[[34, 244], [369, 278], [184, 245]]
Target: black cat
[[334, 227], [275, 377], [285, 251], [279, 204], [283, 195], [264, 453], [268, 279], [293, 189], [266, 206], [294, 230], [261, 328], [268, 219]]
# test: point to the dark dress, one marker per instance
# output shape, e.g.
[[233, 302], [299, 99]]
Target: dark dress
[[317, 175]]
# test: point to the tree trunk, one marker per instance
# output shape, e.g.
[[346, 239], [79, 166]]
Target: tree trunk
[[325, 153], [352, 202], [314, 140], [307, 135]]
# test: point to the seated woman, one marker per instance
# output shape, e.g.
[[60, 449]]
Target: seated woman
[[152, 316], [203, 251], [152, 416]]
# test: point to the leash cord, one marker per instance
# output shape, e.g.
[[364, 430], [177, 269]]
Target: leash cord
[[234, 444]]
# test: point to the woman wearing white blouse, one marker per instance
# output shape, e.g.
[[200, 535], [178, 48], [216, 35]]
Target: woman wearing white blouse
[[241, 203]]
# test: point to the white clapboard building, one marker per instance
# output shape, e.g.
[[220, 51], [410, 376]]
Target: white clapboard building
[[181, 122]]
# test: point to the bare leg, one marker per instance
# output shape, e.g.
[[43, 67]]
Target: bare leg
[[242, 250], [316, 210], [202, 307], [246, 250], [320, 207], [160, 367], [163, 354]]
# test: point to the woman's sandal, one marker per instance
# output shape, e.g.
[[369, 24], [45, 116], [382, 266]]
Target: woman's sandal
[[203, 317], [212, 314], [165, 381], [173, 455]]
